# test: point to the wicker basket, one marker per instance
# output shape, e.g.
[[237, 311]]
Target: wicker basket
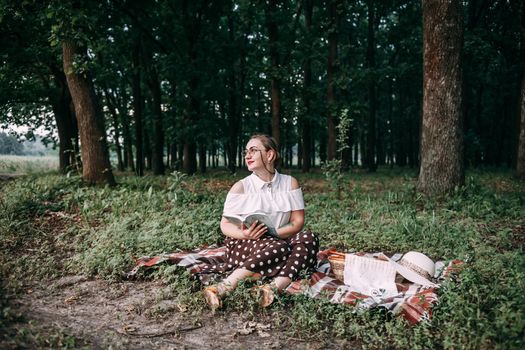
[[337, 263]]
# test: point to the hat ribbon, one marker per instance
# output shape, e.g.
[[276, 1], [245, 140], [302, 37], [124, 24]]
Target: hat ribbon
[[415, 268]]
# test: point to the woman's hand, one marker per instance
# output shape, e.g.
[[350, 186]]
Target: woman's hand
[[255, 231]]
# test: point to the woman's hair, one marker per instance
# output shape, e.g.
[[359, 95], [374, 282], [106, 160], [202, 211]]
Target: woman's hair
[[268, 143]]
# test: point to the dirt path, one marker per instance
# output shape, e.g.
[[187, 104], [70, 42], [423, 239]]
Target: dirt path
[[128, 315]]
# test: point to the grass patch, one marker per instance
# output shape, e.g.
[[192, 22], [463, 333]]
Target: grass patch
[[97, 231], [27, 164]]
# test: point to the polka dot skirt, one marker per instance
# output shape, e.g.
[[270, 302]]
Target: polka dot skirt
[[304, 247], [269, 256]]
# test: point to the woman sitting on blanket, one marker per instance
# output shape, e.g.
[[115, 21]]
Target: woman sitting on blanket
[[251, 251]]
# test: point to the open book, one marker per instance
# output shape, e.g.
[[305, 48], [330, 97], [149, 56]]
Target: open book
[[249, 219]]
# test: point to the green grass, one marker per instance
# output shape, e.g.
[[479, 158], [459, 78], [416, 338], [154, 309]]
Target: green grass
[[98, 231], [27, 164]]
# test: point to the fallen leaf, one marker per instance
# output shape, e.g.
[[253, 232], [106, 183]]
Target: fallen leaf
[[129, 328], [263, 334], [182, 307], [251, 326], [71, 299]]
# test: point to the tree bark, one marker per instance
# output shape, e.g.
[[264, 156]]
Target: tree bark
[[372, 94], [234, 110], [273, 36], [442, 168], [307, 85], [128, 142], [114, 118], [330, 88], [520, 158], [202, 158], [96, 167], [192, 30], [66, 122], [520, 165], [147, 149], [158, 131], [137, 106]]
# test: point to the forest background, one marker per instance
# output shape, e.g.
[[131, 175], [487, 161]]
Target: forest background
[[183, 84], [404, 122]]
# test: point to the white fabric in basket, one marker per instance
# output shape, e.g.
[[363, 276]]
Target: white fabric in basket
[[370, 276]]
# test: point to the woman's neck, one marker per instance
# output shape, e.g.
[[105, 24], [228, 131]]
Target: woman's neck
[[264, 174]]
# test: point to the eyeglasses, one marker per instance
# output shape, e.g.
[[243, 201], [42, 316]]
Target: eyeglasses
[[250, 151]]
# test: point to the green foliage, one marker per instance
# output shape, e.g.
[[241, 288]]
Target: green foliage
[[102, 229], [10, 145], [216, 55], [333, 168]]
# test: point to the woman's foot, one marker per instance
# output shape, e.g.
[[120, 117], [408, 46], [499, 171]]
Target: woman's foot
[[212, 295], [265, 294]]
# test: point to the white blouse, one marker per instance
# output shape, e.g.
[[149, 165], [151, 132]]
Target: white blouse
[[275, 198]]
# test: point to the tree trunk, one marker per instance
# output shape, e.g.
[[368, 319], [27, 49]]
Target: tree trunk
[[158, 131], [389, 144], [372, 94], [442, 168], [322, 149], [330, 88], [95, 156], [65, 120], [128, 144], [137, 107], [114, 118], [234, 110], [202, 158], [191, 115], [189, 161], [401, 143], [520, 158], [307, 86], [67, 133], [273, 36], [180, 152], [520, 166]]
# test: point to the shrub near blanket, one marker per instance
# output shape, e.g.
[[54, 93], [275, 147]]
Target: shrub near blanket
[[103, 229]]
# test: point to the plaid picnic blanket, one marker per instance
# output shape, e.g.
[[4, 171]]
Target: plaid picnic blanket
[[413, 302]]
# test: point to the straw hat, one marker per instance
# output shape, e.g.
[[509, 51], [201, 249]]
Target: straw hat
[[416, 267]]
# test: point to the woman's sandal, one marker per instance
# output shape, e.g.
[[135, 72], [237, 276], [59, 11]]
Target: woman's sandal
[[211, 294], [266, 294]]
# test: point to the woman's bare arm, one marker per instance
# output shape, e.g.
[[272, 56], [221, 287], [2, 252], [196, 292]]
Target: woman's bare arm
[[296, 222], [237, 232]]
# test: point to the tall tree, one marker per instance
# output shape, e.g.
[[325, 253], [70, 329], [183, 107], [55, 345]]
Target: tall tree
[[306, 123], [372, 94], [441, 167], [95, 156], [137, 103], [273, 36], [334, 9], [114, 120], [520, 162], [65, 120], [158, 130], [192, 19]]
